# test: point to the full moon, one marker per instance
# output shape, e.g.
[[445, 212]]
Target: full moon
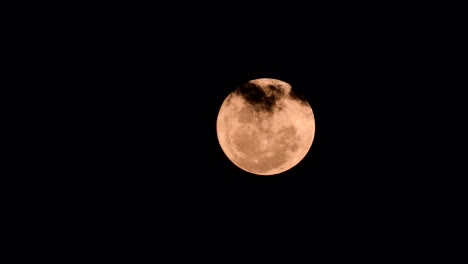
[[264, 128]]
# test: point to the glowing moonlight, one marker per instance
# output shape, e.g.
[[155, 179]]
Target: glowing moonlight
[[264, 128]]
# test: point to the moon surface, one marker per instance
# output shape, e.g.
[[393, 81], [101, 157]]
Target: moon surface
[[264, 128]]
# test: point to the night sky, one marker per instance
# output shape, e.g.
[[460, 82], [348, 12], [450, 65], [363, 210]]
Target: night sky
[[118, 132]]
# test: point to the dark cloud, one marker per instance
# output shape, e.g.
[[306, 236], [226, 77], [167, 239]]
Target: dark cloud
[[298, 97], [256, 96]]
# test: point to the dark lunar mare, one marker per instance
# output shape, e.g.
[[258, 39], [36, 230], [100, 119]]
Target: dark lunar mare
[[254, 95]]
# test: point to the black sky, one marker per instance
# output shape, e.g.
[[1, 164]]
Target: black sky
[[119, 135]]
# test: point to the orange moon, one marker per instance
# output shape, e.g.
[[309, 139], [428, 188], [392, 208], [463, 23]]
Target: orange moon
[[264, 128]]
